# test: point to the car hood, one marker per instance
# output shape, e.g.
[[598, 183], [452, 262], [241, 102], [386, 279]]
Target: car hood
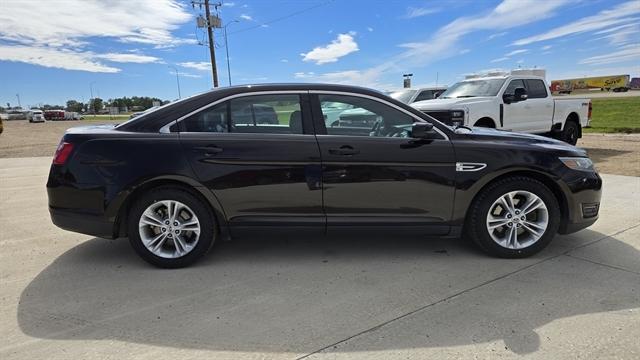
[[445, 104], [520, 139]]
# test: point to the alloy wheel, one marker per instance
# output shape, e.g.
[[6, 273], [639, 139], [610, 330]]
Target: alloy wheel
[[169, 229], [517, 219]]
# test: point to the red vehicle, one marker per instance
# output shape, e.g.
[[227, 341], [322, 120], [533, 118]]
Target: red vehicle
[[54, 114]]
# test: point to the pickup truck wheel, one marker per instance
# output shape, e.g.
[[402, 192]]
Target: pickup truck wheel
[[514, 217], [169, 227], [570, 133]]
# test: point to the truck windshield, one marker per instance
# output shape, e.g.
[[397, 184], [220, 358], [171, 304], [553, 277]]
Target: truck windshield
[[403, 96], [473, 88]]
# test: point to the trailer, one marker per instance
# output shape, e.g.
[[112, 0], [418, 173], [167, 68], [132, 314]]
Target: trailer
[[616, 83]]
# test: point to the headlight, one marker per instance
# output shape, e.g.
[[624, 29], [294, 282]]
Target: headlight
[[578, 163], [457, 117]]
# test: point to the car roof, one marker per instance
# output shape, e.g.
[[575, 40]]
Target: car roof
[[152, 119]]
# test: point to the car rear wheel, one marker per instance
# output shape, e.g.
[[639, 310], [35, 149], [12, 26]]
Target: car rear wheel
[[513, 218], [170, 227]]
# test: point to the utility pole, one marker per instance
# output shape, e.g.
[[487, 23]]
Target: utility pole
[[19, 105], [212, 50]]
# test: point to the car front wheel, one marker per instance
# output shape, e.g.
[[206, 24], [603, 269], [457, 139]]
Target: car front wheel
[[513, 218], [170, 227]]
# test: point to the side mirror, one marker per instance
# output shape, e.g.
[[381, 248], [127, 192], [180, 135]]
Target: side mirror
[[519, 94], [423, 130]]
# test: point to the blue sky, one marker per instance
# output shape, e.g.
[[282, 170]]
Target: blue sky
[[52, 51]]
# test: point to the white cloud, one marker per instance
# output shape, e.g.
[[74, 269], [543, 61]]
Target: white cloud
[[246, 17], [369, 29], [444, 42], [615, 16], [54, 58], [546, 47], [304, 75], [464, 51], [627, 53], [499, 59], [128, 58], [343, 45], [229, 4], [496, 35], [201, 65], [413, 12], [51, 24], [621, 35], [50, 28], [284, 60], [187, 75], [521, 61], [516, 52]]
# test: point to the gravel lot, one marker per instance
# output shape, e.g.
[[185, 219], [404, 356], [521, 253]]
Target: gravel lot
[[613, 153]]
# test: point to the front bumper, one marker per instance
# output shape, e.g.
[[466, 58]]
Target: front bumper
[[583, 193]]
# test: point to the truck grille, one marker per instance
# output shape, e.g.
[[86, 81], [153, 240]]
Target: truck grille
[[442, 116]]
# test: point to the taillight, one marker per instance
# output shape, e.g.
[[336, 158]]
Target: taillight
[[62, 153], [590, 109]]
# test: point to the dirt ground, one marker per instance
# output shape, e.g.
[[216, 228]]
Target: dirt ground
[[612, 153]]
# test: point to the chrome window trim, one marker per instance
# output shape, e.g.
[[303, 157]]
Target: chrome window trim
[[380, 101], [166, 129]]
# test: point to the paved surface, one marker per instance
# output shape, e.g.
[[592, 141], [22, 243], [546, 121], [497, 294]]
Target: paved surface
[[66, 296]]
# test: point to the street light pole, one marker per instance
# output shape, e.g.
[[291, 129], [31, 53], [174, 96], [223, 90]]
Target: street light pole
[[177, 80], [92, 103], [226, 47]]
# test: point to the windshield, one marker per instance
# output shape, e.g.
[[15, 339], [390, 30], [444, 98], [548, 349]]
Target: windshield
[[473, 88], [403, 95]]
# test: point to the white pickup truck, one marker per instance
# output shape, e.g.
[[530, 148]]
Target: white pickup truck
[[520, 103]]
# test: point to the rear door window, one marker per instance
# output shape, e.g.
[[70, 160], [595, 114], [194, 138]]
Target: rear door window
[[536, 89], [268, 114]]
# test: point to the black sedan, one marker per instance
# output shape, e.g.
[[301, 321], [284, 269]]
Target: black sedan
[[185, 175]]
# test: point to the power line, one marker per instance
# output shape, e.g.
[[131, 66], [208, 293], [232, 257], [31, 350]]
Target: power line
[[282, 17]]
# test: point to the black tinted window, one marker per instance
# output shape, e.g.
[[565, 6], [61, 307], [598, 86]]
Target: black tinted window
[[279, 114], [513, 85], [425, 95], [536, 89], [356, 116], [213, 119]]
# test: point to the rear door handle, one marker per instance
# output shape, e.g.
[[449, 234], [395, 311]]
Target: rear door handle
[[344, 150], [208, 150]]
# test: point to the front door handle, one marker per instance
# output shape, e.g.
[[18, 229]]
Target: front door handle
[[208, 150], [344, 150]]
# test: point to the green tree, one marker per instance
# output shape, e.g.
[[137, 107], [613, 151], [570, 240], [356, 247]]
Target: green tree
[[96, 105], [75, 106]]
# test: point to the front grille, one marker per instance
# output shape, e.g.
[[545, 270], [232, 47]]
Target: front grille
[[442, 116], [590, 210]]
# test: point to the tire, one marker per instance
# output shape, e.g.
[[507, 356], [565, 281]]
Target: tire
[[570, 132], [173, 252], [477, 225]]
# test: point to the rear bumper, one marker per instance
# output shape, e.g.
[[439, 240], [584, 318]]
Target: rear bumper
[[82, 223]]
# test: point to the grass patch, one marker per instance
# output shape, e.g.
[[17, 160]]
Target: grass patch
[[615, 115]]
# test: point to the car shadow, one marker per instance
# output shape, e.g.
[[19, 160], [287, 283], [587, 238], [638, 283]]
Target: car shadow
[[298, 295]]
